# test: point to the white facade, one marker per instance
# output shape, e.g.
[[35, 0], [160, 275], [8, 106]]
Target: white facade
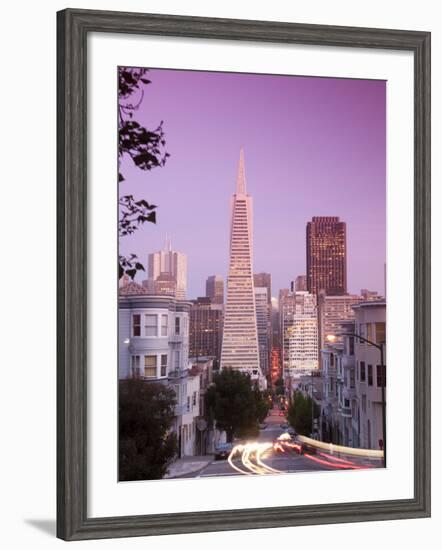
[[299, 329], [154, 346], [170, 262], [240, 349], [353, 377], [370, 323]]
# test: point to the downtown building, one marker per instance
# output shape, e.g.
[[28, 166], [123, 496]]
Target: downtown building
[[240, 347], [215, 289], [263, 327], [299, 331], [264, 317], [299, 284], [167, 272], [154, 347], [332, 312], [326, 246], [205, 328]]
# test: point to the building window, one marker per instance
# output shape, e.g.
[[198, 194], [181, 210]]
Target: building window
[[370, 374], [177, 360], [370, 332], [164, 365], [136, 366], [150, 325], [188, 404], [164, 325], [177, 325], [351, 346], [362, 371], [150, 366], [380, 376], [194, 399], [364, 404], [136, 325], [380, 333]]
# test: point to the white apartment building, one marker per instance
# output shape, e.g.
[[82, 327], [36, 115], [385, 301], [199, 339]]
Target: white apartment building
[[353, 378], [154, 346], [370, 323]]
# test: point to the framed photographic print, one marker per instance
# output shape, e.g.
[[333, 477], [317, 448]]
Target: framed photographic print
[[243, 248]]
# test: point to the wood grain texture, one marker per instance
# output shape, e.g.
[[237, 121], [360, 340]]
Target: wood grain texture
[[72, 29]]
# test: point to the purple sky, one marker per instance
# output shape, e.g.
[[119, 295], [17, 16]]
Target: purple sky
[[313, 147]]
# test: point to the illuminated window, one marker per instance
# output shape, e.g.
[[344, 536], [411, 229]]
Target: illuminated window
[[150, 366], [380, 333]]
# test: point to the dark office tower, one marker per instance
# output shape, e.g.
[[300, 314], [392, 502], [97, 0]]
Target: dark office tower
[[326, 256], [215, 289], [205, 328]]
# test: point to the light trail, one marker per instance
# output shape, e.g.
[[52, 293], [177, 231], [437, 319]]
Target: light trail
[[333, 464], [236, 449], [252, 456], [330, 447]]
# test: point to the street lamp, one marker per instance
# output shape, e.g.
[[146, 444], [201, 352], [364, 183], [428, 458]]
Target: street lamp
[[332, 338]]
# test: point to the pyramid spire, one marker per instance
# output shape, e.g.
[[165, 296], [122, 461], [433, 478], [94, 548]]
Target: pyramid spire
[[241, 179]]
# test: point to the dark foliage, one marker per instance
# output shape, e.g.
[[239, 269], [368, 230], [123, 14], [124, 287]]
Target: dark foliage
[[279, 386], [145, 148], [299, 414], [146, 444], [235, 405]]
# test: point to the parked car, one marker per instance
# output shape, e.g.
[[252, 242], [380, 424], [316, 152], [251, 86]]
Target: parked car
[[281, 413], [284, 426], [222, 451]]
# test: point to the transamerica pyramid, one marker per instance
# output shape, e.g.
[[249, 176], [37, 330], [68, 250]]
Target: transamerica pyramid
[[240, 348]]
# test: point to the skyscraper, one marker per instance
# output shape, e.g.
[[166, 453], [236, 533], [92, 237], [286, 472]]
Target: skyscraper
[[215, 289], [264, 280], [171, 263], [299, 329], [326, 256], [299, 284], [263, 327], [205, 328], [332, 312], [240, 348]]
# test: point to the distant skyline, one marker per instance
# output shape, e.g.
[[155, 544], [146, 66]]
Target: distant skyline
[[313, 147]]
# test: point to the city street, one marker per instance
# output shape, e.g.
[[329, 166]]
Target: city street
[[257, 459]]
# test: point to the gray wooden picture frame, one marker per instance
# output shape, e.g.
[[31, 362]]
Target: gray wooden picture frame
[[73, 27]]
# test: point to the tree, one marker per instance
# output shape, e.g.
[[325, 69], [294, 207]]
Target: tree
[[263, 404], [279, 386], [145, 148], [299, 414], [147, 445], [235, 404]]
